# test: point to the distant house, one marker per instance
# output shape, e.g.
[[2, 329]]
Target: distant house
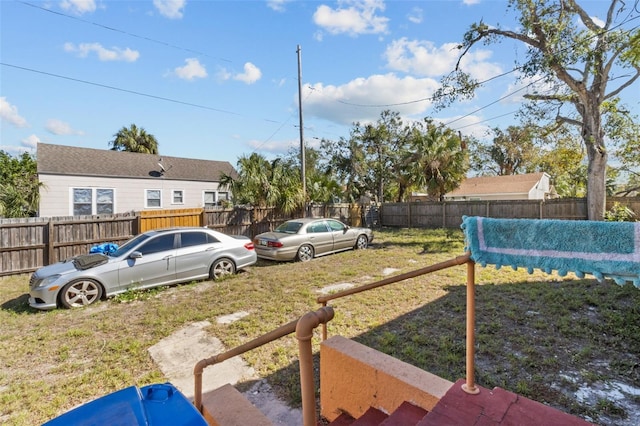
[[531, 186], [84, 181]]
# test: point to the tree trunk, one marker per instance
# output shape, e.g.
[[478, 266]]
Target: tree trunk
[[593, 137], [596, 183]]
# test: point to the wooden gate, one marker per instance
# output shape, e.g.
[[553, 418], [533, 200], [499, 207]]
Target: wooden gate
[[156, 219]]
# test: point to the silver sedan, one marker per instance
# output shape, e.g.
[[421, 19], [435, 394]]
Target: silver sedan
[[304, 239], [152, 259]]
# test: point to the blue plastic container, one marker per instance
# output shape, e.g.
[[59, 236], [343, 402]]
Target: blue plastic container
[[153, 405]]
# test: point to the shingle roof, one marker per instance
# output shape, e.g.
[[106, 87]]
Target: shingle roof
[[487, 185], [69, 160]]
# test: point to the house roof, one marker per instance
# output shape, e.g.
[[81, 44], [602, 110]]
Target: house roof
[[486, 185], [74, 161]]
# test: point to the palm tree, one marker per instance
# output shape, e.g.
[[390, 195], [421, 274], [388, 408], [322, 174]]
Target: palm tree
[[134, 139], [265, 184], [438, 162]]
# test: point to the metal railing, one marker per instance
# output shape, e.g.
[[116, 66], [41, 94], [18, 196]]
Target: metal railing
[[469, 386], [304, 332]]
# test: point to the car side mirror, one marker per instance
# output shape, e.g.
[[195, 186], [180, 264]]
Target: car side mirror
[[135, 255]]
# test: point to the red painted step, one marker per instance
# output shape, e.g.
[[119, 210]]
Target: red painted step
[[407, 414]]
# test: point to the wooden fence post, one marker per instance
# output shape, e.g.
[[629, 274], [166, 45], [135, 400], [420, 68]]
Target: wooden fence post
[[49, 242]]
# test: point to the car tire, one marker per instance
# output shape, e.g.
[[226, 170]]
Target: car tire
[[305, 253], [80, 293], [222, 268], [361, 242]]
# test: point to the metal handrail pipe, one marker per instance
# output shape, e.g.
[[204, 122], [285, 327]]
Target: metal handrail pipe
[[255, 343], [304, 333], [470, 385], [459, 260], [303, 327], [411, 274]]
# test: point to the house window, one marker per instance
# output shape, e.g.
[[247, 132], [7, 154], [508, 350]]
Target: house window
[[153, 198], [209, 199], [177, 196], [92, 201], [212, 199], [222, 197], [104, 201]]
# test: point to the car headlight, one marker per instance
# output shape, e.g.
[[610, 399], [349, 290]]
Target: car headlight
[[48, 280]]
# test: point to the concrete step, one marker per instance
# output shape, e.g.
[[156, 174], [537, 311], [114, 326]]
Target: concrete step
[[226, 406]]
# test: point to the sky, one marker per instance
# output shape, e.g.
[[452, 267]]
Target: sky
[[218, 80]]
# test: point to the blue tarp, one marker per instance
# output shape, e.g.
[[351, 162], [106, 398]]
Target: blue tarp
[[105, 248]]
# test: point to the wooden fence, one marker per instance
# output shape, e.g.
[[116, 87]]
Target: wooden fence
[[449, 214], [29, 243]]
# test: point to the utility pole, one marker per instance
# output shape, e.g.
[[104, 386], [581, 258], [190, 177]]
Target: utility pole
[[302, 154]]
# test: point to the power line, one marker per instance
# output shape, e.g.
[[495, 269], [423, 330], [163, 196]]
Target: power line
[[105, 86], [152, 40]]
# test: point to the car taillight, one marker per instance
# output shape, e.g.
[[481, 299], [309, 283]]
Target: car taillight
[[249, 246], [274, 244]]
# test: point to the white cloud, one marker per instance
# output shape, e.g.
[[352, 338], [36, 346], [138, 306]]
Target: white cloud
[[30, 142], [424, 58], [415, 16], [114, 54], [273, 147], [352, 17], [277, 5], [522, 85], [470, 2], [363, 99], [9, 113], [79, 7], [192, 70], [250, 75], [58, 127], [172, 9]]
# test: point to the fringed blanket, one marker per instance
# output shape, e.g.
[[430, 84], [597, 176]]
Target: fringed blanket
[[602, 249]]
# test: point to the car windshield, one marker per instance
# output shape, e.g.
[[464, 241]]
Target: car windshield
[[128, 245], [289, 227]]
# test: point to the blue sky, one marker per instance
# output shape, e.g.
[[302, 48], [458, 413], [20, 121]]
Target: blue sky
[[217, 80]]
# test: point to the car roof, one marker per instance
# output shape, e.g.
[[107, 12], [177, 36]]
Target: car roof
[[305, 220], [178, 229]]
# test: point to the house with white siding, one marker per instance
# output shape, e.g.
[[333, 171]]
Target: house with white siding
[[530, 186], [85, 181]]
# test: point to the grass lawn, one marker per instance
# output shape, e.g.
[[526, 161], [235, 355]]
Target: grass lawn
[[558, 340]]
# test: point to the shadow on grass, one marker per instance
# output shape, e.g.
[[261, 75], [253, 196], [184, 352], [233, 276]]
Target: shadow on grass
[[19, 305], [547, 341]]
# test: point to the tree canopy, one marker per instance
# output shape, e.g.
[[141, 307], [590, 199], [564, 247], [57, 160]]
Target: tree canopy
[[19, 185], [134, 139], [581, 64]]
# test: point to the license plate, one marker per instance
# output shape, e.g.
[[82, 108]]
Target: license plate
[[262, 242]]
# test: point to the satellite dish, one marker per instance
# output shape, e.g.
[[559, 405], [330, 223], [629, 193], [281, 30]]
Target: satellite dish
[[161, 167]]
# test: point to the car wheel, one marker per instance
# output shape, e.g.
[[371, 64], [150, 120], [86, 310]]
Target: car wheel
[[221, 268], [305, 253], [362, 242], [80, 293]]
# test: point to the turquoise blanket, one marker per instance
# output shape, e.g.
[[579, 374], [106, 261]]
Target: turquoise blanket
[[602, 249]]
